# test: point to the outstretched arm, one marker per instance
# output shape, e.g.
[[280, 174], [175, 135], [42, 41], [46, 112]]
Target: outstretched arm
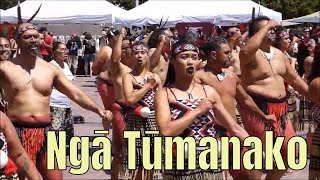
[[62, 84], [248, 51], [16, 152]]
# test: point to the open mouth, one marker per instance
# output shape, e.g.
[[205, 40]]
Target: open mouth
[[140, 61], [190, 71]]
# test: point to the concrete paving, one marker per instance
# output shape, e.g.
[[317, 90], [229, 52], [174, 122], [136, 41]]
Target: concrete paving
[[93, 122]]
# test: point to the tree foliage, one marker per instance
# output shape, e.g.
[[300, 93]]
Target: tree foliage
[[6, 4], [288, 8], [126, 4], [291, 8]]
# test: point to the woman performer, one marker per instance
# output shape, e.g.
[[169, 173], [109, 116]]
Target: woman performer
[[305, 59], [314, 93], [283, 43], [139, 87], [183, 108], [15, 151], [60, 104]]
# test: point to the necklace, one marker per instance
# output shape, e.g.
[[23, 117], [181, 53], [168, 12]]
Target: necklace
[[268, 56], [221, 76], [189, 93]]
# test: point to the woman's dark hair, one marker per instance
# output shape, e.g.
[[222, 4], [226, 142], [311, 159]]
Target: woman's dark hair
[[88, 36], [154, 38], [301, 56], [55, 46], [315, 71], [171, 72], [279, 30]]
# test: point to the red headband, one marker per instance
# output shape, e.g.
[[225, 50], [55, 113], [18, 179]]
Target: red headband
[[186, 47]]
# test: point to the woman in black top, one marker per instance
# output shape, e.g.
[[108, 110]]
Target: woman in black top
[[89, 52]]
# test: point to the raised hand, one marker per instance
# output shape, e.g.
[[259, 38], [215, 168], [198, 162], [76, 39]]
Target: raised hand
[[273, 24], [123, 31]]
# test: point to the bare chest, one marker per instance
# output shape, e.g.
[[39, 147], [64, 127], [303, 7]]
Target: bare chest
[[22, 81], [225, 87], [162, 65], [267, 68]]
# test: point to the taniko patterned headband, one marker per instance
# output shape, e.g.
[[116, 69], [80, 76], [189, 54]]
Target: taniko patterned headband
[[139, 48], [283, 34], [186, 47]]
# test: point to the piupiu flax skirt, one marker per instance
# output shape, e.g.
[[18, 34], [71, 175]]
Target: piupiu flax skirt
[[137, 123], [196, 174]]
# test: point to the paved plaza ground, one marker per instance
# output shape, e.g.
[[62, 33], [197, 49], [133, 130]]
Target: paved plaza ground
[[93, 122]]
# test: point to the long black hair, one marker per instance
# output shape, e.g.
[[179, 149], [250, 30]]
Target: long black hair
[[315, 71]]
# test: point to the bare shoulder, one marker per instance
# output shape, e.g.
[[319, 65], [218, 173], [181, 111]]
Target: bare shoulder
[[315, 84], [199, 75], [232, 74], [279, 54], [151, 51], [104, 54], [209, 90]]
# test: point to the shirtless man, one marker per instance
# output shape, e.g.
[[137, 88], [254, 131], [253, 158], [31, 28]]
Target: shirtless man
[[104, 82], [217, 75], [120, 65], [264, 70], [234, 41], [28, 95], [159, 51]]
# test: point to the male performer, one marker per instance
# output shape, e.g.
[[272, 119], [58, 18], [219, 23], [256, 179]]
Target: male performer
[[28, 93], [264, 69], [217, 75]]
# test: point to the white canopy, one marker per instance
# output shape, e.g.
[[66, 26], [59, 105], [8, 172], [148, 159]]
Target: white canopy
[[65, 12], [217, 11], [311, 18]]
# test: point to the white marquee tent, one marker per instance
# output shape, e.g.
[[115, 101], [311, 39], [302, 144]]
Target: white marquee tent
[[225, 12], [311, 18], [65, 12]]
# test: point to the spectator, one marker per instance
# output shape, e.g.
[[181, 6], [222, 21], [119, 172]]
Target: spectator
[[89, 52], [73, 45], [46, 46]]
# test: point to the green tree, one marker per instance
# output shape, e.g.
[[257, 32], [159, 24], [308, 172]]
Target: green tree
[[291, 8], [126, 4], [6, 4]]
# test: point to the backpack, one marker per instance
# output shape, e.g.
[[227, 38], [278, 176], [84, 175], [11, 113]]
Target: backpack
[[74, 46]]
